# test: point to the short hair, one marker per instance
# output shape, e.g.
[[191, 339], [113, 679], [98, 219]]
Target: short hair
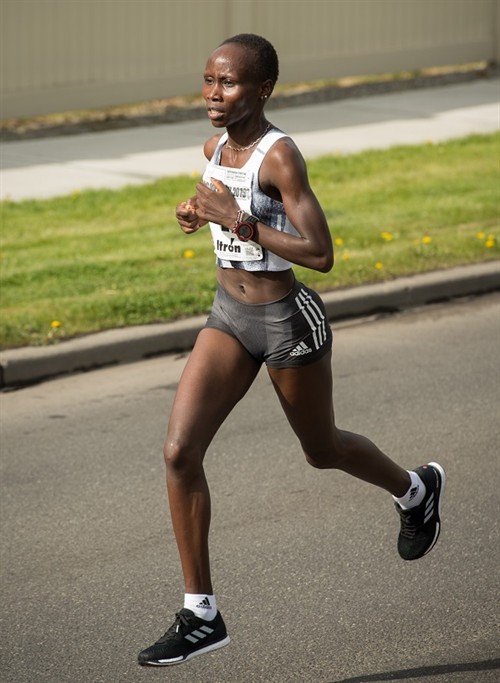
[[266, 58]]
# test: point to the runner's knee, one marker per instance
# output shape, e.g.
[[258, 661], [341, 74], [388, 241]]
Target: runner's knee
[[181, 458], [323, 459]]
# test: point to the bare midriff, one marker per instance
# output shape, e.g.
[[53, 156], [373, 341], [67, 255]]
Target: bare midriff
[[259, 287]]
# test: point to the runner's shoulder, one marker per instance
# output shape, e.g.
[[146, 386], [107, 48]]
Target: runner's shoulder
[[211, 144]]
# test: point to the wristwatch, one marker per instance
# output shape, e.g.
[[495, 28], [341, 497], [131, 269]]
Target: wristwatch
[[244, 226]]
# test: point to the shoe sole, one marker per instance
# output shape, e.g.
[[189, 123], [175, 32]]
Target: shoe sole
[[181, 660], [437, 467]]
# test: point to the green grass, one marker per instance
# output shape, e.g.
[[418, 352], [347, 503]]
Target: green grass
[[98, 260]]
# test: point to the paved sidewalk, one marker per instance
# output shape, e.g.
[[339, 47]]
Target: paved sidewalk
[[55, 166]]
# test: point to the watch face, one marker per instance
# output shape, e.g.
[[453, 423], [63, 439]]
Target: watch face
[[245, 231]]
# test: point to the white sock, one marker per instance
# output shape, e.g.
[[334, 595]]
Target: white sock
[[415, 494], [204, 606]]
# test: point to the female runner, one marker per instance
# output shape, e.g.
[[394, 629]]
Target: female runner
[[264, 217]]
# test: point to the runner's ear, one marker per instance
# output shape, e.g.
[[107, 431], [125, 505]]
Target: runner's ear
[[266, 89]]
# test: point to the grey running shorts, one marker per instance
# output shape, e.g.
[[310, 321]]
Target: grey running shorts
[[291, 332]]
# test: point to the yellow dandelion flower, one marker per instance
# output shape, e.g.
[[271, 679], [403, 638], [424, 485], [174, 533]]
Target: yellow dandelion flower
[[481, 235], [189, 253], [195, 173], [339, 241], [55, 324], [490, 243], [346, 256], [386, 236], [379, 265], [426, 239]]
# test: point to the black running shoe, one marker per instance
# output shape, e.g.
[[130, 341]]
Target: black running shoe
[[188, 637], [420, 526]]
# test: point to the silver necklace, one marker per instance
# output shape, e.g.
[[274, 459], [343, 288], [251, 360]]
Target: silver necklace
[[244, 149]]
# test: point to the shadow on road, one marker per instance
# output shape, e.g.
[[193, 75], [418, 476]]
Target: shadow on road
[[421, 671]]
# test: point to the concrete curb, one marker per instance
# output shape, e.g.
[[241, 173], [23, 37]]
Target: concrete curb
[[193, 112], [29, 365], [416, 290]]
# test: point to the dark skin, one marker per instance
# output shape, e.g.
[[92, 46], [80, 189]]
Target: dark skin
[[219, 370], [235, 101]]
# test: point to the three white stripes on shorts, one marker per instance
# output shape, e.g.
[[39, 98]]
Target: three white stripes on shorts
[[314, 316]]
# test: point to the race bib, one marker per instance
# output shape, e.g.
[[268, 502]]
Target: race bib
[[226, 245]]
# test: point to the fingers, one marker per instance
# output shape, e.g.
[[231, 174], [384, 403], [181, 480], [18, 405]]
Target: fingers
[[219, 185], [186, 216], [215, 203], [185, 212], [203, 190]]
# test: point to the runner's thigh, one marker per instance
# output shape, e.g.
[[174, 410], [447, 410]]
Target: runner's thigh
[[218, 373], [306, 397]]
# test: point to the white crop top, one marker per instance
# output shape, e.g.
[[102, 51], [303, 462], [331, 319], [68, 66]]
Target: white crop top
[[244, 185]]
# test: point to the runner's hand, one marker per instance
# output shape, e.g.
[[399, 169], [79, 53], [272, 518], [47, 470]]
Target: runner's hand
[[218, 206], [186, 215]]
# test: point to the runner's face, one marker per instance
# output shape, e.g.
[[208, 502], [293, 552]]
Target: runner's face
[[230, 92]]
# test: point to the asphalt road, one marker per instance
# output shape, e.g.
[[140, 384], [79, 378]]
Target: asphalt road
[[305, 565]]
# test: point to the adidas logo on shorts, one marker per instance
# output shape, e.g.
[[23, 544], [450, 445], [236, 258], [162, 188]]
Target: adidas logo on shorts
[[301, 350]]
